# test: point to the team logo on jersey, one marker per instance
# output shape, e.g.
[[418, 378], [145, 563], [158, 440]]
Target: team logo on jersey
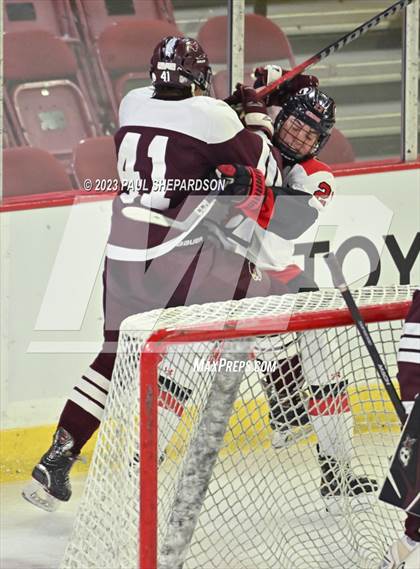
[[406, 451]]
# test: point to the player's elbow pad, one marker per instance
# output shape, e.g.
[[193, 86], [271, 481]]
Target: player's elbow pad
[[257, 121]]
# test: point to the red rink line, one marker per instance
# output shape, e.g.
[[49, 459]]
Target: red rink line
[[70, 197], [53, 199], [373, 167]]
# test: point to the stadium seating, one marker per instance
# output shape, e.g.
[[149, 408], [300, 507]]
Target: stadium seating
[[95, 159], [97, 15], [49, 96], [338, 149], [51, 15], [264, 40], [93, 18], [29, 171], [9, 136], [374, 129], [58, 18], [125, 50], [220, 83]]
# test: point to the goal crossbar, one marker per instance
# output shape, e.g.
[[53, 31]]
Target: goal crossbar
[[265, 325]]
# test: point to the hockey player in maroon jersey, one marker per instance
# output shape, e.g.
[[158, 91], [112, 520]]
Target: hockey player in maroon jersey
[[405, 552], [302, 127], [171, 136]]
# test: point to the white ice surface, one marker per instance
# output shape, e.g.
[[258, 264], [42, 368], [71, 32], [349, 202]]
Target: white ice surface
[[30, 537], [34, 539]]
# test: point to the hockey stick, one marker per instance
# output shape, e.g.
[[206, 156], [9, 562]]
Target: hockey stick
[[340, 283], [148, 216], [402, 484], [145, 215], [335, 46]]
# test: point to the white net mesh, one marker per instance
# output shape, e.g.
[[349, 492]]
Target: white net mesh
[[263, 506]]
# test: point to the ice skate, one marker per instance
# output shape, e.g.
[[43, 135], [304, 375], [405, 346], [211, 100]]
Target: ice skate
[[285, 416], [50, 482], [403, 554], [338, 483]]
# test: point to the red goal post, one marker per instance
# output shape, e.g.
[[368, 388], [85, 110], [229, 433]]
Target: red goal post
[[271, 325]]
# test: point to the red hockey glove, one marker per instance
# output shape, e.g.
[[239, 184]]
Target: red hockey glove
[[238, 180], [266, 75], [257, 201]]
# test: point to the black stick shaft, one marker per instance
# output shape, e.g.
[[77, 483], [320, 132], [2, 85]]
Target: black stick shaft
[[340, 283], [335, 46]]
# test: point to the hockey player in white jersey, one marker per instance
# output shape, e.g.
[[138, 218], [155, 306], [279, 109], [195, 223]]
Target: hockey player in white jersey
[[302, 127]]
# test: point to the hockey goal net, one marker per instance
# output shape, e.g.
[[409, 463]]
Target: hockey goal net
[[189, 396]]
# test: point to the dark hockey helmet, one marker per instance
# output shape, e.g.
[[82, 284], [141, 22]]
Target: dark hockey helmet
[[180, 62], [311, 107]]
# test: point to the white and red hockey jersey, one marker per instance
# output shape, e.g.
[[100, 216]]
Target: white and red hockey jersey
[[308, 188]]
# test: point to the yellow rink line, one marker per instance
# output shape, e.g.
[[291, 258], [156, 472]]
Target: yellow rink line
[[21, 448]]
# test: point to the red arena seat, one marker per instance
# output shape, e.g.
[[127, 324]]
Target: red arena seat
[[264, 40], [221, 83], [9, 137], [338, 149], [28, 170], [50, 15], [56, 17], [125, 50], [97, 15], [94, 17], [96, 159], [47, 92]]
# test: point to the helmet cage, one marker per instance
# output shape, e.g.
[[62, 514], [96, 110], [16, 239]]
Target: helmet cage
[[305, 108]]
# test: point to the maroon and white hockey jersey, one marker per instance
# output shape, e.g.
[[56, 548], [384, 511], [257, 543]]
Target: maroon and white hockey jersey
[[409, 352], [165, 149]]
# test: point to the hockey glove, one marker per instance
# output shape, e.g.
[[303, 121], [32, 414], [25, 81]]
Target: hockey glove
[[254, 199], [235, 101], [252, 112], [266, 75]]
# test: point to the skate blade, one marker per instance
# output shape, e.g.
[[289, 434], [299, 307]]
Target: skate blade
[[281, 439], [339, 505], [35, 493], [288, 438]]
